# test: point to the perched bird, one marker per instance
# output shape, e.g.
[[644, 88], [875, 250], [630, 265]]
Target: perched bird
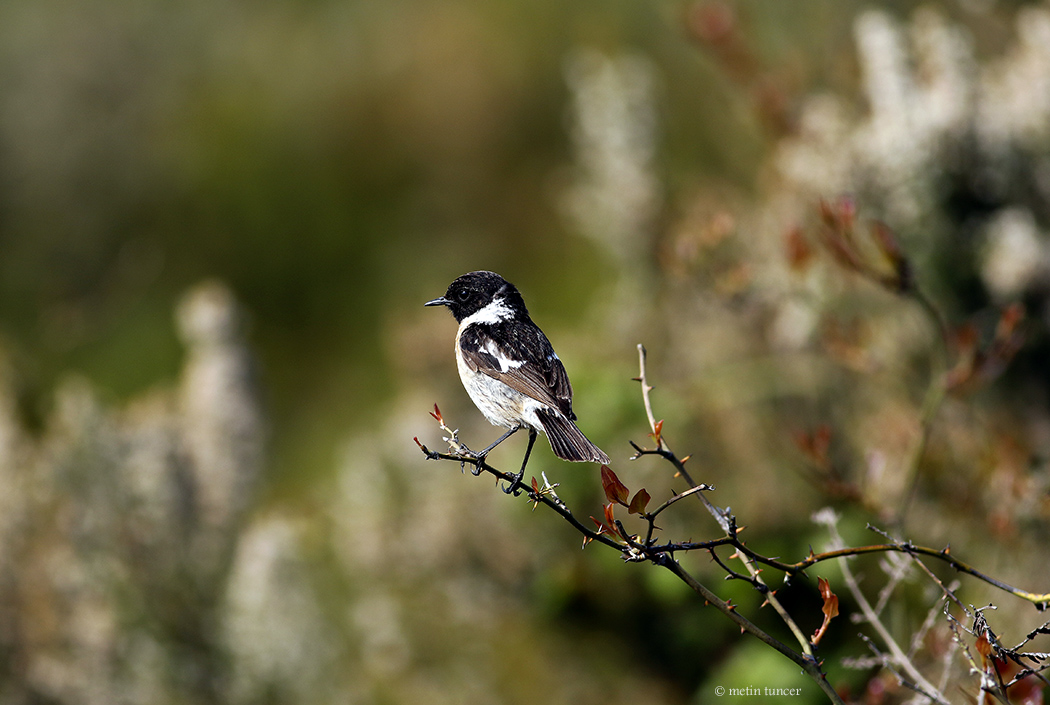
[[510, 370]]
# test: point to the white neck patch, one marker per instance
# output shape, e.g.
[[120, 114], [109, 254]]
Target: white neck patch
[[495, 312]]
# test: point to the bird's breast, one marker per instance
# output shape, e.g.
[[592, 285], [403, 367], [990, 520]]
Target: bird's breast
[[499, 403]]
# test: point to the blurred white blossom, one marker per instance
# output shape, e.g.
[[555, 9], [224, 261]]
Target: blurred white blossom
[[121, 522], [927, 99], [1016, 253], [615, 193], [273, 626]]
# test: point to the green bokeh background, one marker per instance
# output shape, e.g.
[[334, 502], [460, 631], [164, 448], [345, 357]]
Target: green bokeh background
[[335, 163]]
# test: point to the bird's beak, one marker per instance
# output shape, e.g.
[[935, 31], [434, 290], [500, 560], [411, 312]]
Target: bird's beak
[[438, 302]]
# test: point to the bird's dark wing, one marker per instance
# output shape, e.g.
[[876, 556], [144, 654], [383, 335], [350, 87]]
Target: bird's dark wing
[[518, 354]]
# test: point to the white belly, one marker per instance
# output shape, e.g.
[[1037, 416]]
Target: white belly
[[500, 404]]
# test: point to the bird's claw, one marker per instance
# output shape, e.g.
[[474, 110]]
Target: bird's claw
[[475, 458], [512, 488]]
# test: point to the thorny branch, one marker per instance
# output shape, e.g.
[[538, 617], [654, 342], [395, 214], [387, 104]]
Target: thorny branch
[[725, 521], [638, 548], [897, 661], [634, 551]]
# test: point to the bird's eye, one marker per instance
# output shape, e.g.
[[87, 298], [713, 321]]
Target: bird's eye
[[462, 295]]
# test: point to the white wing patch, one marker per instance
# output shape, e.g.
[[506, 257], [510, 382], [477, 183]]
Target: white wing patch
[[505, 363]]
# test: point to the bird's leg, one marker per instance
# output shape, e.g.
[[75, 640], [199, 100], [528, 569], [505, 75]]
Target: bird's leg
[[521, 473], [480, 455]]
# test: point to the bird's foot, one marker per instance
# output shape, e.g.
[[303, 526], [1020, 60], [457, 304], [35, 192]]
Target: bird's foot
[[512, 488], [476, 459]]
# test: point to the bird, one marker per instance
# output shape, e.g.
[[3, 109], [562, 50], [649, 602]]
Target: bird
[[510, 370]]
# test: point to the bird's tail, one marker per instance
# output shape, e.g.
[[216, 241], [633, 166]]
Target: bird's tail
[[567, 441]]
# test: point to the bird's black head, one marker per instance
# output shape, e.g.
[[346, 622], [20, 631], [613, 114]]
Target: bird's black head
[[475, 291]]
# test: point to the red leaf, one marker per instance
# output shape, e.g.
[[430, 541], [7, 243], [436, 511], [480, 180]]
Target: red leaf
[[713, 23], [1008, 338], [977, 365], [830, 609], [831, 600], [839, 215], [615, 491], [799, 251], [436, 413], [1009, 319], [984, 647], [639, 502], [610, 520], [815, 445], [965, 339]]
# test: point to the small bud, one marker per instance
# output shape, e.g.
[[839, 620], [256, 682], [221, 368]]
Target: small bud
[[657, 433]]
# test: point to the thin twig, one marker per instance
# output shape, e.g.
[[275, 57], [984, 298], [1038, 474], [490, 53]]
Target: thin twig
[[539, 497], [896, 654], [677, 497], [646, 388], [927, 624], [987, 684], [1040, 600], [949, 654], [722, 517], [931, 404], [889, 664], [810, 665], [898, 570]]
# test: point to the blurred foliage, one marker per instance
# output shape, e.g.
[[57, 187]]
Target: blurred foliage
[[636, 169]]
